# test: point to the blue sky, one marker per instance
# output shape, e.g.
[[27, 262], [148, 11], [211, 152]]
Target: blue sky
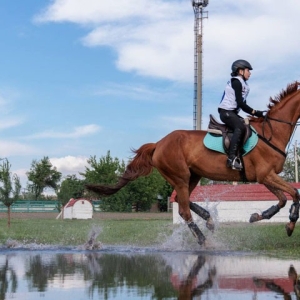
[[83, 77]]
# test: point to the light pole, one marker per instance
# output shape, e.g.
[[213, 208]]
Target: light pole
[[198, 6]]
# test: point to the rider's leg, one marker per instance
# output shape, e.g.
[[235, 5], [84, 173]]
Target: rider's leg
[[233, 161], [233, 121]]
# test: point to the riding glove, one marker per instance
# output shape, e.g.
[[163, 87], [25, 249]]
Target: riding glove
[[259, 113]]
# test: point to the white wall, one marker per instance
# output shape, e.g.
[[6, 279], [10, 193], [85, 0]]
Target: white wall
[[236, 211], [82, 209], [67, 213]]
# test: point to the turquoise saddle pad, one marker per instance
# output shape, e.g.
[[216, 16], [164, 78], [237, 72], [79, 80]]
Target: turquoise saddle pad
[[213, 142]]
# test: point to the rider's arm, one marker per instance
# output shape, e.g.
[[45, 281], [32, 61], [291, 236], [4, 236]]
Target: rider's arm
[[237, 87]]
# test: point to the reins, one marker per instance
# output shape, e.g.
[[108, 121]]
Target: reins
[[268, 140], [267, 121]]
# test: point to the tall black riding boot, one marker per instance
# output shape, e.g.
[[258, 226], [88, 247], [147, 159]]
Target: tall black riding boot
[[233, 160]]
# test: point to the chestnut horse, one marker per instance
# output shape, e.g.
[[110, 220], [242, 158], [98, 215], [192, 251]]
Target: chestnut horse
[[182, 159]]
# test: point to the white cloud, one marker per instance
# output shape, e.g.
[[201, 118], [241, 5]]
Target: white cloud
[[7, 115], [10, 122], [95, 12], [149, 36], [10, 148], [155, 38], [69, 165], [78, 132]]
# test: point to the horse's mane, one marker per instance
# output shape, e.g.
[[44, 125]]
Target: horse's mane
[[290, 89]]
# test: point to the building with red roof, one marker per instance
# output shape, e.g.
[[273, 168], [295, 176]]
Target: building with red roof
[[235, 203], [78, 209]]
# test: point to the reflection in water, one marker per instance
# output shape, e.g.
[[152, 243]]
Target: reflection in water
[[8, 279], [188, 287], [142, 274], [272, 284]]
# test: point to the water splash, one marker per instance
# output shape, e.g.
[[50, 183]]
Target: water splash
[[91, 243], [12, 244]]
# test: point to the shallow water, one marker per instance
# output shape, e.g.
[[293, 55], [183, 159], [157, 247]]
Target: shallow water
[[144, 273]]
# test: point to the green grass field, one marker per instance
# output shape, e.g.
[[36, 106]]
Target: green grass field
[[260, 237]]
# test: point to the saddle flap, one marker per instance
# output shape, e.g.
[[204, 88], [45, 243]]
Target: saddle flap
[[217, 128]]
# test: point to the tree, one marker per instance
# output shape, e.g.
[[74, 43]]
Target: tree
[[288, 173], [164, 193], [42, 175], [104, 171], [71, 187], [147, 190], [141, 193], [10, 187]]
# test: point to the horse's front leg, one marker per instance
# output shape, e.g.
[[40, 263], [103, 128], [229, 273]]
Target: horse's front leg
[[294, 214], [273, 210]]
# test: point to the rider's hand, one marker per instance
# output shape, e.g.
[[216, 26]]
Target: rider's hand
[[259, 113]]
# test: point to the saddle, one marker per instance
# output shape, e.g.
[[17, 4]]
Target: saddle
[[216, 128]]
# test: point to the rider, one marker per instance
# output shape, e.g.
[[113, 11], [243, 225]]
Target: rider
[[234, 99]]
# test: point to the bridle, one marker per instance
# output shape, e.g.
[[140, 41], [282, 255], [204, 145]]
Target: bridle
[[268, 140]]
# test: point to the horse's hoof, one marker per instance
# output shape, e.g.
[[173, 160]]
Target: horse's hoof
[[210, 225], [201, 241], [254, 218], [289, 230]]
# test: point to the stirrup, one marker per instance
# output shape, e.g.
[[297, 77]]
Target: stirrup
[[234, 164]]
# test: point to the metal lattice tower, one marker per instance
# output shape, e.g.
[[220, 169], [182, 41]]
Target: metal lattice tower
[[198, 6]]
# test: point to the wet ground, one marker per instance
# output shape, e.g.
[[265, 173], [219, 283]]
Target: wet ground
[[145, 273], [175, 269]]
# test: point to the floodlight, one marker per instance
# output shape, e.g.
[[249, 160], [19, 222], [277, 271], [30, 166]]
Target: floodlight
[[198, 3]]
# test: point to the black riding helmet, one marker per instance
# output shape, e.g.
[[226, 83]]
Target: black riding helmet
[[240, 64]]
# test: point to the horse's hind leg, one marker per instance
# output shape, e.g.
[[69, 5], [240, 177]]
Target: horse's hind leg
[[277, 186], [182, 198], [204, 214], [200, 211], [273, 210], [181, 183]]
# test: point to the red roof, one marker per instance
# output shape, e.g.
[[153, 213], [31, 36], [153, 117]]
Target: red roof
[[247, 283], [72, 201], [228, 192]]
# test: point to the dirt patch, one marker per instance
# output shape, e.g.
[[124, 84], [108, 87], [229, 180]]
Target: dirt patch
[[97, 215]]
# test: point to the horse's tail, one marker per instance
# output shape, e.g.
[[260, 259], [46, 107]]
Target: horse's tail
[[140, 165]]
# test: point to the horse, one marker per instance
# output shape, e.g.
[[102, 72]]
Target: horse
[[182, 159]]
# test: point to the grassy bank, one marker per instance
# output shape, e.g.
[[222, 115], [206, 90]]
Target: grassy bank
[[266, 237], [260, 237], [137, 232]]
